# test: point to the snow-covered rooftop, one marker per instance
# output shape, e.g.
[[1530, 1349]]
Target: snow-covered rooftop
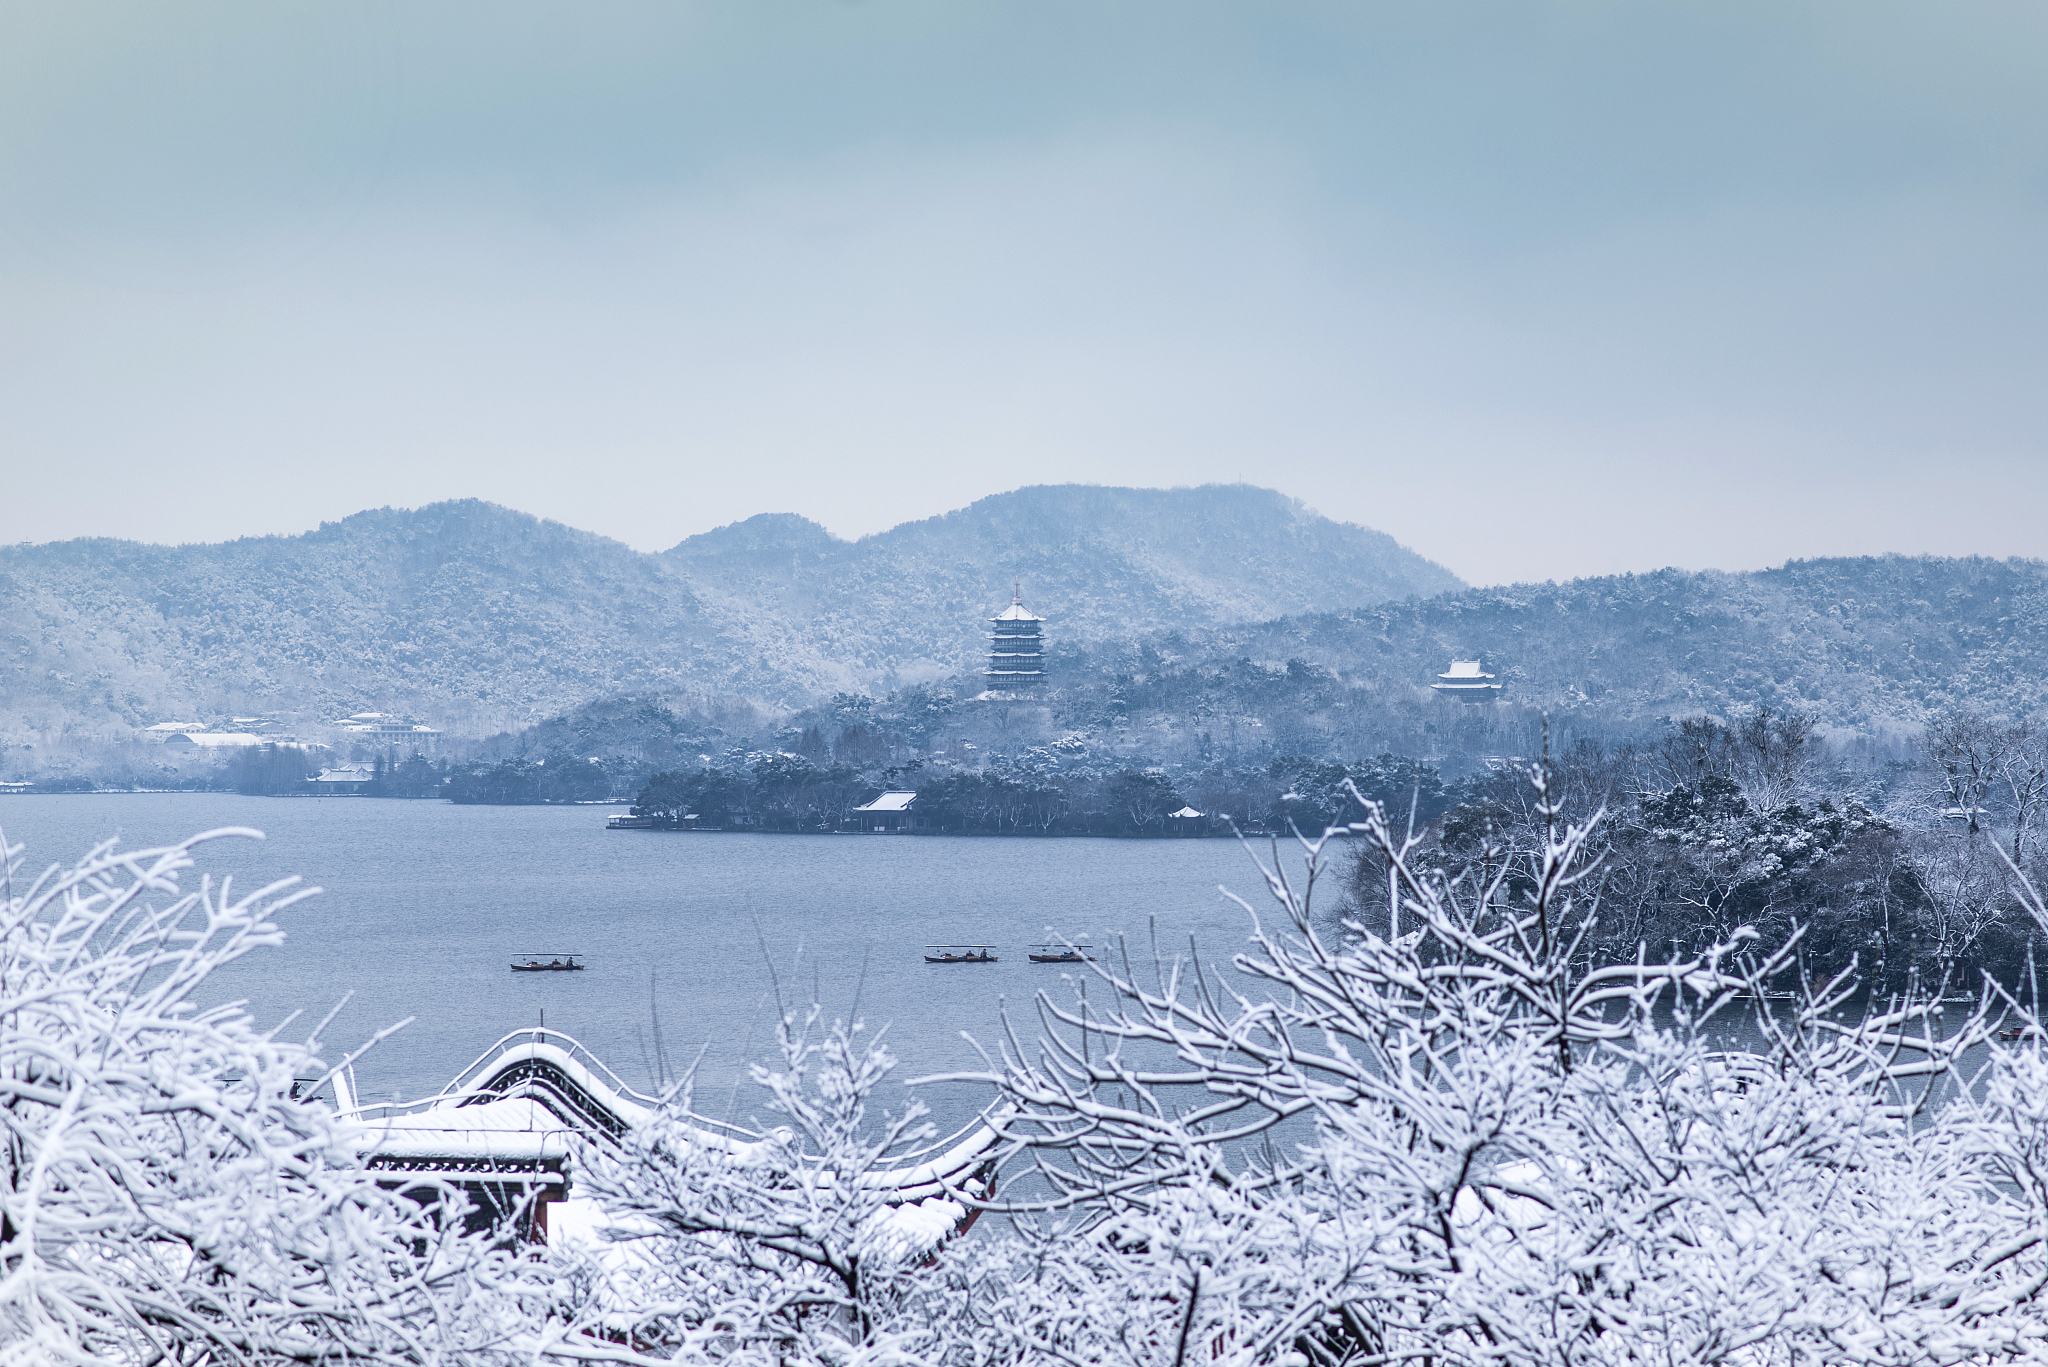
[[529, 1096], [1464, 670], [516, 1127], [1016, 612], [889, 802]]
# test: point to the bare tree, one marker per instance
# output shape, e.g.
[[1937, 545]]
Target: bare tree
[[1772, 755], [1698, 746], [2023, 772], [1963, 887], [1969, 751]]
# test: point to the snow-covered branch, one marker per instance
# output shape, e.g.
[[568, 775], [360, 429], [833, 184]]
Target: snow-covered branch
[[1503, 1151], [164, 1196]]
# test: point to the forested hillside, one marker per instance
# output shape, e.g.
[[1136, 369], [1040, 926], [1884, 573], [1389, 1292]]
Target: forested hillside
[[477, 618], [462, 612], [1102, 564], [1871, 644]]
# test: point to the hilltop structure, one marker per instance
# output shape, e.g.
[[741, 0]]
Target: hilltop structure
[[385, 726], [1466, 682], [1016, 652]]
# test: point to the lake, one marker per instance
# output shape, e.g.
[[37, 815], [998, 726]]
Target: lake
[[425, 904]]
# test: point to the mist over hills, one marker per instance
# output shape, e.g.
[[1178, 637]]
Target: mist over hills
[[478, 619], [475, 617], [1872, 644], [1102, 563]]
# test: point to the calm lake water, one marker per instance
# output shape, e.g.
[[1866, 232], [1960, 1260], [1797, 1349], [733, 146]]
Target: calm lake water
[[424, 904]]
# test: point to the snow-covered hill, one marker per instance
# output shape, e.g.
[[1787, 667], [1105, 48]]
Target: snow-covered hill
[[475, 617], [1101, 564], [1873, 644]]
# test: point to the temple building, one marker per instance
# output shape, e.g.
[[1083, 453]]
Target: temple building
[[1465, 681], [1016, 651], [507, 1131]]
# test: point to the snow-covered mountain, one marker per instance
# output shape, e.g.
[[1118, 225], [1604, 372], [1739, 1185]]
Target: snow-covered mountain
[[1874, 644], [475, 617], [1100, 564]]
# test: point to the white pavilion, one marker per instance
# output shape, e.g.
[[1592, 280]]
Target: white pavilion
[[1467, 682]]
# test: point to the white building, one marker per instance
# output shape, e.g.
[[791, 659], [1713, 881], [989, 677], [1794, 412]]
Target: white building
[[1467, 682], [385, 726], [342, 779], [889, 812]]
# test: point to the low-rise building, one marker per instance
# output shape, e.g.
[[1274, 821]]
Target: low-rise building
[[385, 726], [1466, 682], [342, 779], [892, 811]]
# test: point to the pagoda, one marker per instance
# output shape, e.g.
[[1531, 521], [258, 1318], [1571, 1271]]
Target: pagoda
[[1466, 682], [1016, 651]]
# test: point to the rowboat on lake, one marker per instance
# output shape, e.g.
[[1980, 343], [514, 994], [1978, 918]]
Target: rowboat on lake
[[560, 963], [1061, 954], [959, 954]]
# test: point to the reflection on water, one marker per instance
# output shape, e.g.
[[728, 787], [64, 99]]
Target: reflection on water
[[426, 904]]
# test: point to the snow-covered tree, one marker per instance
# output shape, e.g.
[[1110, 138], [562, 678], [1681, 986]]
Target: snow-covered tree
[[1464, 1142], [789, 1244], [1450, 1137], [165, 1194]]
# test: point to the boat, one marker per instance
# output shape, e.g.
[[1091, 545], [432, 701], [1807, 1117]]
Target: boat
[[960, 954], [560, 963], [1061, 954]]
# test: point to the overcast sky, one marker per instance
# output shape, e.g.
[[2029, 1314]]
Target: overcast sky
[[1542, 290]]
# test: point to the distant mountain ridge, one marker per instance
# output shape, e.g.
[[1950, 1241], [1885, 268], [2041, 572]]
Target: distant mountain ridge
[[1099, 563], [1874, 644], [476, 617], [479, 619]]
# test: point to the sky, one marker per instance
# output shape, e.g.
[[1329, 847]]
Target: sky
[[1540, 289]]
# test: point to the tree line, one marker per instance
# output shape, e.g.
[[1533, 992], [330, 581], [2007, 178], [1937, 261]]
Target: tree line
[[1045, 791], [1906, 874], [284, 770]]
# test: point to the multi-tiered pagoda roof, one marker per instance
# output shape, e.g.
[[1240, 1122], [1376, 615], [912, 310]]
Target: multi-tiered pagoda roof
[[1016, 650]]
